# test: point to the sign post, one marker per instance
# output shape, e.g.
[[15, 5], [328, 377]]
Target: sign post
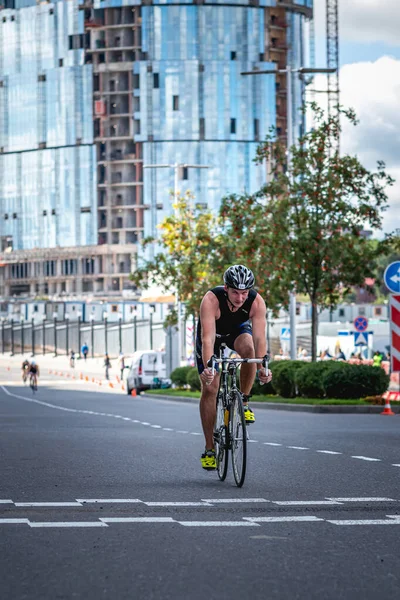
[[392, 282]]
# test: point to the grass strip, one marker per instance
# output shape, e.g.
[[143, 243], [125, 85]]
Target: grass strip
[[271, 399]]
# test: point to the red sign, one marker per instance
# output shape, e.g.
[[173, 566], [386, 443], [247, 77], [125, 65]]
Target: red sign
[[395, 332]]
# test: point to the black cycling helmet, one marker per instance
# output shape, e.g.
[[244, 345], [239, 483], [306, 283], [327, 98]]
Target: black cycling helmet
[[239, 277]]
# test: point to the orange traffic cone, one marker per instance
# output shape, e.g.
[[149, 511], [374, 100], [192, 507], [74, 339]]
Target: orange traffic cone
[[111, 385], [133, 392], [387, 409]]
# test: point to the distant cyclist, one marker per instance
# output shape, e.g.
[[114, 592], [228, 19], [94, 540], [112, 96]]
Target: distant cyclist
[[225, 315], [34, 373], [25, 370]]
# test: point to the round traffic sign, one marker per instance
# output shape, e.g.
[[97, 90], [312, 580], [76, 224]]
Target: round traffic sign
[[392, 277], [360, 323]]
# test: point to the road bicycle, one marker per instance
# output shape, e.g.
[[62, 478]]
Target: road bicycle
[[33, 382], [230, 430]]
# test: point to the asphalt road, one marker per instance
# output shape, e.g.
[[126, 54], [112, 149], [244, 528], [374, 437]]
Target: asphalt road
[[103, 496]]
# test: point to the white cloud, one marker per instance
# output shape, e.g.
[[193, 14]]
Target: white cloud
[[373, 90], [365, 21]]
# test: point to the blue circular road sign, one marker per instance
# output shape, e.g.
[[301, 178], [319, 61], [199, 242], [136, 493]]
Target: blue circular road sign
[[392, 277], [360, 324]]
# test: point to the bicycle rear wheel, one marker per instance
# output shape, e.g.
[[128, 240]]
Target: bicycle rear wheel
[[238, 436], [220, 441]]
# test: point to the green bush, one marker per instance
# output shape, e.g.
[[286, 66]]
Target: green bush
[[193, 379], [356, 381], [179, 376], [310, 378], [283, 376]]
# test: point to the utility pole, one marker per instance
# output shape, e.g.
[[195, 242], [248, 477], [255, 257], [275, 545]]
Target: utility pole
[[290, 142], [178, 167]]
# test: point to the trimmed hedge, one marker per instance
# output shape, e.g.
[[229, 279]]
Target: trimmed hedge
[[355, 381], [284, 377], [179, 375], [310, 378], [193, 379]]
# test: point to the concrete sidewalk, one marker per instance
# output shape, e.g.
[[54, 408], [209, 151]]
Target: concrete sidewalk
[[91, 370]]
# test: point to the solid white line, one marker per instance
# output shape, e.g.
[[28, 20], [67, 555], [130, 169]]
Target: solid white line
[[110, 500], [367, 458], [305, 502], [328, 452], [391, 521], [6, 521], [233, 500], [137, 520], [176, 504], [47, 504], [297, 447], [363, 499], [271, 444], [280, 519], [68, 524], [218, 524]]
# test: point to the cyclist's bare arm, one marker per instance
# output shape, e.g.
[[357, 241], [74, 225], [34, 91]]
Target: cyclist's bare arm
[[209, 312], [258, 319]]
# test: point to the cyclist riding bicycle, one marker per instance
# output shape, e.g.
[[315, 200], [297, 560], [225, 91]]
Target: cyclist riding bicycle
[[24, 369], [34, 373], [225, 314]]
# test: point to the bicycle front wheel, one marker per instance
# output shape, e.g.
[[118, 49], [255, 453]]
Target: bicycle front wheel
[[220, 441], [238, 436]]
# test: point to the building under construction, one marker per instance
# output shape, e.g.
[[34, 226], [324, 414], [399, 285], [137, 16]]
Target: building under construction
[[91, 92]]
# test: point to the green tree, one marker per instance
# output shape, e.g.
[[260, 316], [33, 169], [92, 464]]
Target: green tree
[[183, 264], [302, 230]]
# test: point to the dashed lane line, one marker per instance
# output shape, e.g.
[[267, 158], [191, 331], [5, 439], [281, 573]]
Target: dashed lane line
[[368, 458], [155, 426], [362, 499], [244, 522], [305, 502]]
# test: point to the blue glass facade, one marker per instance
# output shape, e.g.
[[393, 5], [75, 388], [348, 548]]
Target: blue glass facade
[[47, 160], [168, 89]]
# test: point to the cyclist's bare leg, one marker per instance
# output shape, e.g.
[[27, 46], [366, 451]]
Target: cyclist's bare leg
[[208, 409], [244, 346]]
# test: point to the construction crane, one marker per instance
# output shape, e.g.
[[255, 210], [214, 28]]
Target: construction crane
[[332, 55]]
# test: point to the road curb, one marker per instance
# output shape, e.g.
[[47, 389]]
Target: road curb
[[311, 408]]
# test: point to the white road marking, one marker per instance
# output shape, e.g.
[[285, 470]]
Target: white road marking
[[367, 458], [44, 504], [144, 423], [271, 444], [6, 502], [253, 441], [110, 501], [156, 426], [68, 524], [195, 433], [305, 502], [167, 429], [218, 524], [7, 521], [137, 520], [280, 519], [394, 465], [392, 520], [234, 500], [363, 499], [297, 447], [177, 504], [328, 452], [181, 431]]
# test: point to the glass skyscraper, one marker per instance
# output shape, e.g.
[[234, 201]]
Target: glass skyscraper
[[91, 92]]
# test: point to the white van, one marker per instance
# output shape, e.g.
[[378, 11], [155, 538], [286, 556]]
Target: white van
[[144, 367]]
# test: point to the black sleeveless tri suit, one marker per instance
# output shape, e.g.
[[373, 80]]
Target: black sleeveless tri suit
[[229, 326]]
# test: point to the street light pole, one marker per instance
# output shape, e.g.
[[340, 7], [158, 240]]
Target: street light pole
[[177, 167], [290, 142], [92, 334], [105, 315], [22, 336], [55, 333], [66, 335]]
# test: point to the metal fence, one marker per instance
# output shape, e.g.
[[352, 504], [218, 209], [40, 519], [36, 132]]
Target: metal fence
[[59, 338]]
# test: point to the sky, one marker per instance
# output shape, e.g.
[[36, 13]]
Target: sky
[[369, 53]]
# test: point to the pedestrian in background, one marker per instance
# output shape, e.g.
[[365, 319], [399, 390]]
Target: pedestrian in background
[[121, 364], [107, 365], [72, 359], [85, 350]]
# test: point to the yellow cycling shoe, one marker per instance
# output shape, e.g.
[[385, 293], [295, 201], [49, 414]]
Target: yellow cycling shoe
[[249, 415], [208, 460]]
